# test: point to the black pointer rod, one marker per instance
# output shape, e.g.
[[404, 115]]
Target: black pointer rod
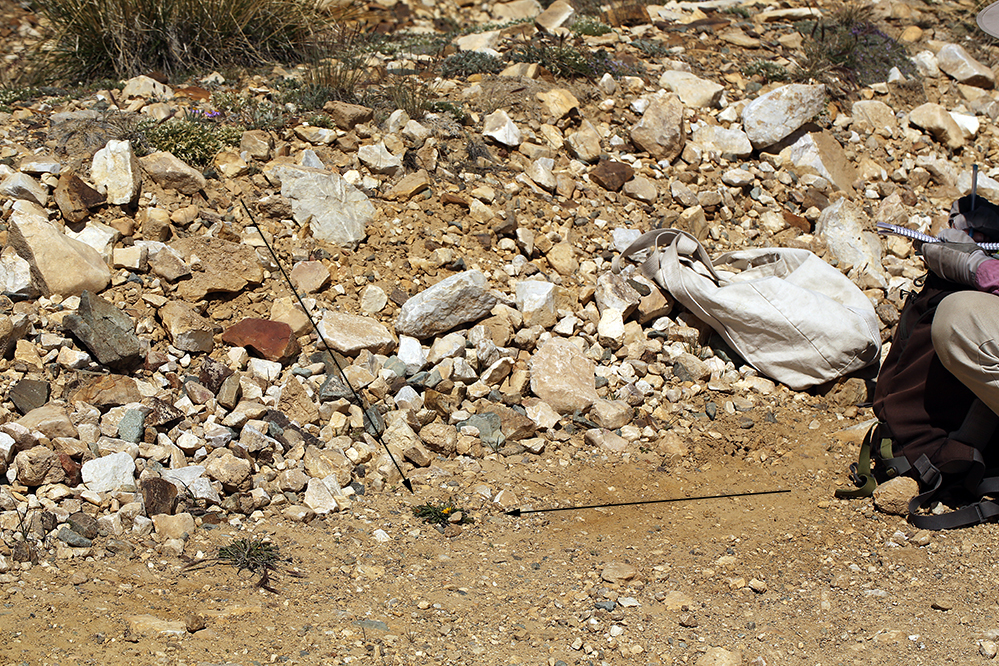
[[360, 401], [520, 512]]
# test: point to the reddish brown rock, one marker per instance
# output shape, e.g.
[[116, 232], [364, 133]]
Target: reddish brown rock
[[611, 175], [159, 496], [274, 340], [75, 198]]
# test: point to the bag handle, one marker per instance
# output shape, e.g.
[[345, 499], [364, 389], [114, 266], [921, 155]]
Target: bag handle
[[684, 243]]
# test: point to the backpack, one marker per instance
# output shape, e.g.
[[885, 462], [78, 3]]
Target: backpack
[[930, 426]]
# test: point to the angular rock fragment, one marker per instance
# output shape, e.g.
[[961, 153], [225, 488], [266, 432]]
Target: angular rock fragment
[[106, 332], [172, 173], [226, 267], [563, 377], [115, 170], [188, 330], [273, 340], [662, 130], [459, 299], [777, 114], [335, 210]]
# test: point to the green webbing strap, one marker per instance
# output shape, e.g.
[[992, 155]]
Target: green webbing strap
[[860, 472]]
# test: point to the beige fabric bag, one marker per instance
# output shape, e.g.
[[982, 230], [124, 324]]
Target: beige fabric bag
[[790, 315]]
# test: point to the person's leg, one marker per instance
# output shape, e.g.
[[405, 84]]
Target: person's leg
[[966, 338]]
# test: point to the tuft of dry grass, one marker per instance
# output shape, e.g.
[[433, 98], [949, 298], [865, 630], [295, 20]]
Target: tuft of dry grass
[[97, 38]]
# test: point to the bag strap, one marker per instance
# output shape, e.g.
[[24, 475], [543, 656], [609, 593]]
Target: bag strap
[[686, 244], [890, 466], [983, 511]]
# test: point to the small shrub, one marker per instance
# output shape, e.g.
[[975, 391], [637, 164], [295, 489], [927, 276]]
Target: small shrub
[[94, 38], [562, 60], [13, 95], [740, 11], [651, 47], [590, 26], [193, 141], [767, 70], [409, 93], [467, 63], [250, 112], [440, 513]]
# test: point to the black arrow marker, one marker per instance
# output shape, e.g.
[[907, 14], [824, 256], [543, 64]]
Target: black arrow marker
[[520, 512], [372, 427]]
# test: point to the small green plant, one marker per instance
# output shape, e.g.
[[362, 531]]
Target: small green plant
[[652, 47], [851, 47], [195, 142], [13, 95], [409, 93], [562, 60], [740, 11], [767, 70], [589, 26], [250, 112], [467, 63], [441, 513], [256, 556]]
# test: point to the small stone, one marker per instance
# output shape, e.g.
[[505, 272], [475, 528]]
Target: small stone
[[273, 340], [158, 496], [894, 495], [500, 128], [188, 330], [115, 170], [619, 573], [611, 175], [171, 173]]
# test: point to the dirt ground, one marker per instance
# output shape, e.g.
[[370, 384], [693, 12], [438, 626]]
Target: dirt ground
[[780, 579]]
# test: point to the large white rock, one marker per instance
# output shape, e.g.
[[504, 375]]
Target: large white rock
[[115, 170], [820, 153], [325, 495], [336, 211], [351, 333], [841, 226], [536, 301], [411, 353], [958, 64], [22, 186], [378, 159], [111, 472], [777, 114], [693, 91], [936, 120], [499, 127], [15, 275], [459, 299], [662, 131], [729, 143], [563, 377], [58, 264]]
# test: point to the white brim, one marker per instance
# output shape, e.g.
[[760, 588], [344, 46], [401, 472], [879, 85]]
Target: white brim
[[988, 19]]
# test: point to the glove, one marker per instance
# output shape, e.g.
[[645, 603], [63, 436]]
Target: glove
[[984, 217], [957, 262]]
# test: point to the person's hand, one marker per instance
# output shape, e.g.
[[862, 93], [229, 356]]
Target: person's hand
[[957, 262], [984, 217]]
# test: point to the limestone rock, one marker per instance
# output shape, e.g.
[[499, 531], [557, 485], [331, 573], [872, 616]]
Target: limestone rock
[[936, 120], [693, 91], [38, 466], [378, 159], [841, 226], [51, 420], [111, 472], [59, 264], [22, 186], [584, 143], [115, 170], [662, 130], [730, 143], [560, 13], [536, 301], [459, 299], [563, 377], [821, 154], [717, 656], [188, 330], [171, 173], [232, 472], [499, 127], [335, 210], [350, 334], [777, 114], [958, 64]]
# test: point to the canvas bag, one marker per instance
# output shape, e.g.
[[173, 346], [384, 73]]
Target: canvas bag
[[789, 314]]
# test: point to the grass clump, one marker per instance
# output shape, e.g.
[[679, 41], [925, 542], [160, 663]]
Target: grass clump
[[467, 63], [441, 513], [589, 26], [767, 70], [652, 47], [851, 47], [256, 556], [250, 112], [95, 38], [192, 140]]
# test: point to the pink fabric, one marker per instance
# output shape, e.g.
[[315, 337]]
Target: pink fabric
[[987, 276]]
